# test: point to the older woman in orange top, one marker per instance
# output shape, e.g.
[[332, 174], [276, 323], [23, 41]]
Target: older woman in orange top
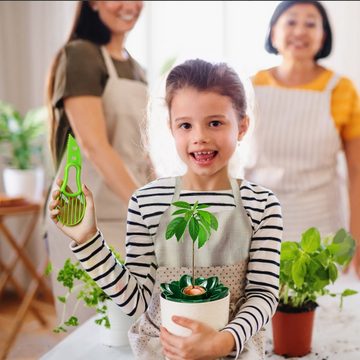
[[307, 116]]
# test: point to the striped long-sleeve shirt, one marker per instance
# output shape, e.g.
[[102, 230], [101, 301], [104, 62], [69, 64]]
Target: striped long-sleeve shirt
[[131, 285]]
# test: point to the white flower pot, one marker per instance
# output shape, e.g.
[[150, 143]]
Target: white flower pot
[[213, 313], [120, 324], [24, 183]]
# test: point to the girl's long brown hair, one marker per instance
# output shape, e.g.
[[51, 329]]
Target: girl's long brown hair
[[87, 25]]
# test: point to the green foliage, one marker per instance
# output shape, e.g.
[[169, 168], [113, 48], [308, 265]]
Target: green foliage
[[308, 267], [199, 222], [75, 279], [22, 134]]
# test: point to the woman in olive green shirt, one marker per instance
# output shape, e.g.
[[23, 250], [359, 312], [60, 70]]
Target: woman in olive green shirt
[[97, 92]]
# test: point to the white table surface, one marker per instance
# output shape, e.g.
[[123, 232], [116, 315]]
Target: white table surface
[[336, 334]]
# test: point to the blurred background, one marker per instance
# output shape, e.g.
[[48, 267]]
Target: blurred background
[[167, 32]]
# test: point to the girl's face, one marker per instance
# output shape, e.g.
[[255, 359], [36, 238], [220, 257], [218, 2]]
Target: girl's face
[[298, 33], [119, 16], [206, 129]]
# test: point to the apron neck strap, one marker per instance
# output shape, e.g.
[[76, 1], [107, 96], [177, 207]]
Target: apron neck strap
[[235, 189], [108, 62]]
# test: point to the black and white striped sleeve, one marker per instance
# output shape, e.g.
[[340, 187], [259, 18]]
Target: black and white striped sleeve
[[262, 286], [129, 285]]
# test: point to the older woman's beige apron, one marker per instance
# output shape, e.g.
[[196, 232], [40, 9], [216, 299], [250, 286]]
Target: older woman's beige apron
[[225, 255], [124, 103], [294, 151]]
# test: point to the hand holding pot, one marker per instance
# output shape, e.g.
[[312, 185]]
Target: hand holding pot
[[205, 343], [83, 231]]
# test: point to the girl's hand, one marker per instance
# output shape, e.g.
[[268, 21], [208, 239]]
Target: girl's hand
[[204, 343], [83, 231]]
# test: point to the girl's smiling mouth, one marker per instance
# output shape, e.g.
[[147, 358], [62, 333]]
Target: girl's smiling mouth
[[204, 156]]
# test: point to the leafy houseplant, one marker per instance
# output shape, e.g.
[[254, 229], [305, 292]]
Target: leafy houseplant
[[21, 138], [306, 269], [22, 134], [114, 323], [181, 296]]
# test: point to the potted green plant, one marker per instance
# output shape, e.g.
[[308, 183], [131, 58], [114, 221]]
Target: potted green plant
[[114, 324], [201, 299], [22, 140], [306, 270]]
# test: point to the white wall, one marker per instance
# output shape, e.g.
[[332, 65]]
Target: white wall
[[232, 31]]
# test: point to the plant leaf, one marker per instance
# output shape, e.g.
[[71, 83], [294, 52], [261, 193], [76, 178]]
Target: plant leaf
[[333, 272], [214, 223], [193, 228], [205, 215], [299, 271], [182, 204], [172, 226], [180, 229], [203, 236], [202, 206], [310, 240], [289, 250], [181, 211], [349, 292]]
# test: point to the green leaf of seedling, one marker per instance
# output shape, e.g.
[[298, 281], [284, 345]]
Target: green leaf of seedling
[[203, 236], [310, 240], [205, 224], [205, 216], [182, 204], [214, 223], [171, 228], [202, 206], [193, 228], [180, 229], [181, 211]]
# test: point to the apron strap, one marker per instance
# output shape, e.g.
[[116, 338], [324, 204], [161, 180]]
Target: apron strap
[[236, 192], [108, 62], [177, 189], [332, 82]]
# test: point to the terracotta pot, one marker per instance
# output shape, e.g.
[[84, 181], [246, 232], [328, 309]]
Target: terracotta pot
[[292, 333]]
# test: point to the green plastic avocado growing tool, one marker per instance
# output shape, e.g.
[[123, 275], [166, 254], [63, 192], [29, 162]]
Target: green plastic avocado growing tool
[[72, 204]]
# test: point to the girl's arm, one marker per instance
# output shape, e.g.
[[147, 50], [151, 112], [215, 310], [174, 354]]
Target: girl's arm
[[261, 291], [87, 119], [129, 285], [352, 151]]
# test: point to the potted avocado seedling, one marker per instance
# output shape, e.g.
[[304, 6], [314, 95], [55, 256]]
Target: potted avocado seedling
[[202, 299], [306, 269]]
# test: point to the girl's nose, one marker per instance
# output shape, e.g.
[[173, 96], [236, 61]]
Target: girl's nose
[[200, 136]]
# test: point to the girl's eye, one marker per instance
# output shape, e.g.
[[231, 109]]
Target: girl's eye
[[215, 123], [185, 126]]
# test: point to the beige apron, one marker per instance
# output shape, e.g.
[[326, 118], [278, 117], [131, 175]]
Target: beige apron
[[225, 255], [124, 103], [294, 151]]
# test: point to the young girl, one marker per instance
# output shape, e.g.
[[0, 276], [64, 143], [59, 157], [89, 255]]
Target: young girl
[[207, 110]]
